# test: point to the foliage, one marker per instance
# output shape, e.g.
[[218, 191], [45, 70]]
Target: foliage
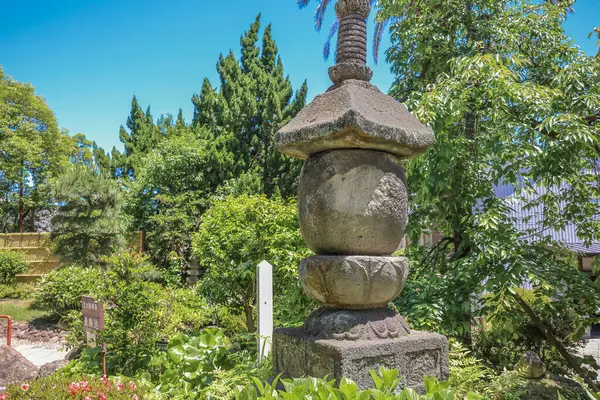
[[88, 223], [12, 263], [131, 324], [513, 103], [189, 363], [467, 372], [510, 334], [17, 290], [387, 386], [61, 387], [62, 288], [380, 26], [235, 235], [254, 100], [173, 185], [512, 386], [32, 150]]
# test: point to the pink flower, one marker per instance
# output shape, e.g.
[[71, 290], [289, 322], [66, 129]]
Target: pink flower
[[104, 378], [25, 387], [101, 396], [74, 386], [4, 396], [134, 397], [120, 386], [87, 397], [132, 386], [83, 385]]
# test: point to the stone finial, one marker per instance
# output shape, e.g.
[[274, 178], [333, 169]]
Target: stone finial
[[351, 54]]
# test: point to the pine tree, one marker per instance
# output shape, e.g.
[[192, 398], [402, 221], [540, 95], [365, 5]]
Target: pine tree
[[141, 136], [254, 100]]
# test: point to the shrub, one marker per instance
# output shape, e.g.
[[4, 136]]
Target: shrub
[[189, 363], [18, 290], [12, 263], [62, 387], [61, 289], [467, 372], [235, 235], [131, 324], [512, 386], [511, 333], [388, 385]]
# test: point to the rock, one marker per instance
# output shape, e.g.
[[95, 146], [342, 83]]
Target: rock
[[297, 353], [531, 366], [48, 369], [352, 202], [351, 115], [353, 282], [353, 325], [14, 368], [73, 354]]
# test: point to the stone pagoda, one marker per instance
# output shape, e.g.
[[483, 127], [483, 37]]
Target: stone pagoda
[[353, 208]]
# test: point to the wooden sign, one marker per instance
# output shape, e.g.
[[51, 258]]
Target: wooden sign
[[93, 314]]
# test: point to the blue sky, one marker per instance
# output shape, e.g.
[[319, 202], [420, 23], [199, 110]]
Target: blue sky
[[89, 57]]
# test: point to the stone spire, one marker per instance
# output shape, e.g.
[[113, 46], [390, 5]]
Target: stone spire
[[351, 54]]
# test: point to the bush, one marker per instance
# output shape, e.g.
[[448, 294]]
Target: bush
[[189, 363], [467, 372], [61, 289], [18, 290], [388, 385], [12, 263], [511, 333], [62, 387], [235, 235], [511, 386]]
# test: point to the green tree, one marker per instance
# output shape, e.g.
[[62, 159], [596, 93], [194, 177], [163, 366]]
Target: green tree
[[254, 100], [32, 150], [171, 192], [512, 101], [88, 223], [235, 235], [141, 136]]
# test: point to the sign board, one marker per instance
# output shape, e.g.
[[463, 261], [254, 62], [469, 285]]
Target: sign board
[[93, 318], [264, 277]]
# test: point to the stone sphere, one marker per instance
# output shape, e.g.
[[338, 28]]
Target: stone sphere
[[352, 202], [353, 282]]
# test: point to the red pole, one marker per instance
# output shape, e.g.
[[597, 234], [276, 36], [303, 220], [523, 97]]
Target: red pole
[[8, 329]]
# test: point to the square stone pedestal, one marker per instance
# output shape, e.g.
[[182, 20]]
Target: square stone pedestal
[[297, 354]]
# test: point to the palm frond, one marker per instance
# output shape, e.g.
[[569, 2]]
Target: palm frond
[[332, 31], [380, 28], [302, 3], [320, 14]]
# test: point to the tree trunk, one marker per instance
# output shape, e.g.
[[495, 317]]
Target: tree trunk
[[21, 190], [555, 342], [249, 318]]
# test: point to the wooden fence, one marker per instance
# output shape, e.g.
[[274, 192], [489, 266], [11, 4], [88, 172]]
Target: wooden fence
[[37, 249]]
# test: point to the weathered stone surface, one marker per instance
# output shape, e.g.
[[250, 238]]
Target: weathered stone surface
[[48, 369], [14, 368], [531, 366], [353, 282], [378, 323], [419, 354], [354, 114], [352, 202]]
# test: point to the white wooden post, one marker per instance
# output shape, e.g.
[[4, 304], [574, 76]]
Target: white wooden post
[[264, 278]]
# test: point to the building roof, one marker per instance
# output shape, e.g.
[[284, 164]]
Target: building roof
[[528, 219]]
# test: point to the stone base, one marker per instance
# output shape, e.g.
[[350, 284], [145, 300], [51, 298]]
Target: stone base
[[297, 354]]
